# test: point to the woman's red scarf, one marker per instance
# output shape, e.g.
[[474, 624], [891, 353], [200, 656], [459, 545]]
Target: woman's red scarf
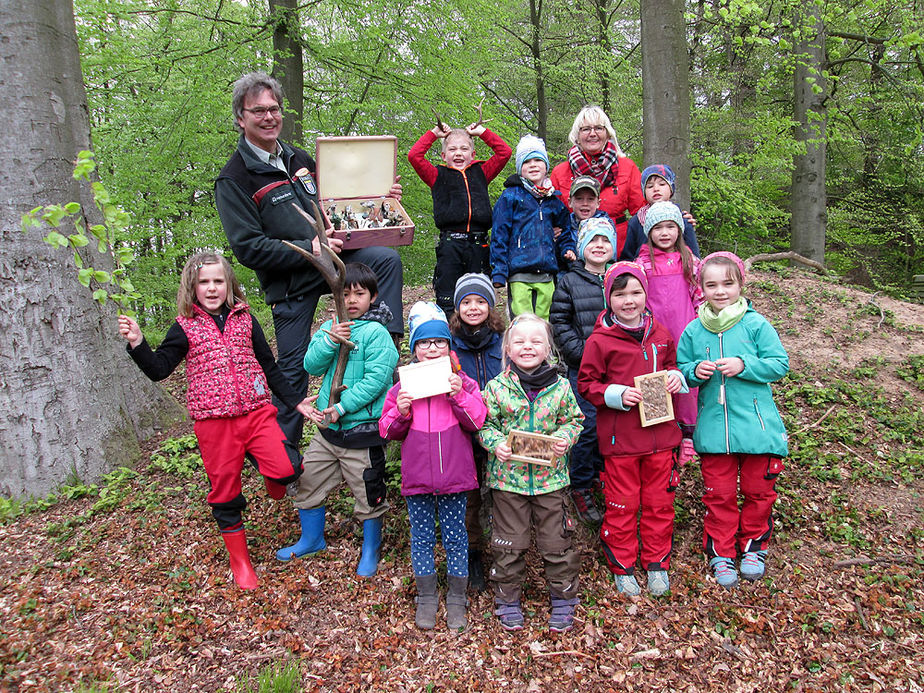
[[603, 167]]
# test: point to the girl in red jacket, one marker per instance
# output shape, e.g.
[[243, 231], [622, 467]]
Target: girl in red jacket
[[230, 370], [639, 462]]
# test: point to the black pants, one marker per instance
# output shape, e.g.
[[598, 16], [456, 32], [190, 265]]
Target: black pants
[[293, 317], [458, 254]]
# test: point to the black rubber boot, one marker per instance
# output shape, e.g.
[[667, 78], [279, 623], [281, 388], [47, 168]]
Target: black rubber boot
[[476, 571]]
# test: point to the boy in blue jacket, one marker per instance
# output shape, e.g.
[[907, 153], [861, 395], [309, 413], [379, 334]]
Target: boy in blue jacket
[[524, 249]]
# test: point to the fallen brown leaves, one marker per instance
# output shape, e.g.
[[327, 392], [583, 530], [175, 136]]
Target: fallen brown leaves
[[141, 598]]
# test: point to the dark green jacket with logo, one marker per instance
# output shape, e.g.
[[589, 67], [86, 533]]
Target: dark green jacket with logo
[[254, 202]]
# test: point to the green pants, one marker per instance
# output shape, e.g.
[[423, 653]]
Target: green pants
[[531, 297]]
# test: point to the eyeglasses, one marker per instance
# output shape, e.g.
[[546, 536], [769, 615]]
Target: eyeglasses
[[427, 343], [586, 129], [260, 111]]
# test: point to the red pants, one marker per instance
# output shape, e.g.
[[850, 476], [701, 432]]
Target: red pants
[[630, 483], [753, 524], [223, 443]]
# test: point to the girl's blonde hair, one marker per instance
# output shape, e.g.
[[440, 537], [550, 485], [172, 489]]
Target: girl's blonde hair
[[189, 278], [593, 115], [525, 319], [460, 133]]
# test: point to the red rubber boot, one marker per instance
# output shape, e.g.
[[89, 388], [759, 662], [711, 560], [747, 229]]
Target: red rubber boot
[[244, 575]]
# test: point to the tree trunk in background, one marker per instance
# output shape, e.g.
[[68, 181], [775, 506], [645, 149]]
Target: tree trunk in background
[[288, 66], [666, 91], [71, 401], [535, 46], [809, 198]]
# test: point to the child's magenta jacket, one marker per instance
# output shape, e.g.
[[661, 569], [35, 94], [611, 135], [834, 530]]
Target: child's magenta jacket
[[436, 452], [612, 359]]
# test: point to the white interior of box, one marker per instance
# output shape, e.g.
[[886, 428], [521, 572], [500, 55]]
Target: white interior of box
[[352, 167]]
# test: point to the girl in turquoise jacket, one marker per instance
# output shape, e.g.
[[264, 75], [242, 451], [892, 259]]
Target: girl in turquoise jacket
[[733, 354]]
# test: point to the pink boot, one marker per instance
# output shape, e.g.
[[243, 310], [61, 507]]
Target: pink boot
[[244, 575]]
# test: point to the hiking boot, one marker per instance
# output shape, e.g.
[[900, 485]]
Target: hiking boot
[[427, 602], [658, 582], [561, 618], [628, 585], [456, 603], [586, 507], [724, 571], [476, 571], [753, 565], [510, 614], [687, 452]]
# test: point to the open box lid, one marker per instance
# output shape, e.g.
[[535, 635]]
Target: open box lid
[[352, 167]]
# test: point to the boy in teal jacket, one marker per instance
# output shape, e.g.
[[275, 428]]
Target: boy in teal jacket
[[350, 448]]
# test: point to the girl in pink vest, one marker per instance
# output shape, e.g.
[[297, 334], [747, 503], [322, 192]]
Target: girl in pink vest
[[673, 295], [230, 371]]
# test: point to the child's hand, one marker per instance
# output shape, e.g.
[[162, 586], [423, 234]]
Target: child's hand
[[560, 447], [396, 190], [403, 403], [331, 414], [631, 396], [455, 384], [689, 217], [556, 232], [704, 370], [130, 331], [730, 366], [307, 409], [503, 452], [570, 256], [341, 329], [441, 131], [674, 383], [475, 130]]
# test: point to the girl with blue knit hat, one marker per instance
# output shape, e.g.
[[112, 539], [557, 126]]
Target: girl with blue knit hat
[[437, 466], [658, 185], [674, 295], [477, 329], [528, 217]]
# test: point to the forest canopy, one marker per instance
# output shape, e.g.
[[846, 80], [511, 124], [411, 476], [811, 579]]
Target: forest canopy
[[159, 78]]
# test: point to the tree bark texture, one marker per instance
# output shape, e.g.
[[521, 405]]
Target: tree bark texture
[[71, 401], [666, 91], [809, 198], [288, 66]]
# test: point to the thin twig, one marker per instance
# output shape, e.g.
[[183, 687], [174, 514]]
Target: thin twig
[[866, 560], [872, 299], [788, 255], [823, 417], [564, 653], [856, 601], [854, 453]]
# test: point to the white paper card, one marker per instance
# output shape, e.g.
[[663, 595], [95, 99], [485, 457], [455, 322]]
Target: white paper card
[[426, 378]]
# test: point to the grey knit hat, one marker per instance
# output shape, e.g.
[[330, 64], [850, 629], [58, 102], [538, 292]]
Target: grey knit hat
[[663, 211], [477, 284]]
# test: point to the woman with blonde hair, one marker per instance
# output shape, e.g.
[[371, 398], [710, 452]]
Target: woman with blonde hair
[[596, 153]]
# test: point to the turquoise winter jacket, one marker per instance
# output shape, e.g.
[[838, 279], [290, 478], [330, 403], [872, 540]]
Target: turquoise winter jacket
[[368, 372], [747, 422]]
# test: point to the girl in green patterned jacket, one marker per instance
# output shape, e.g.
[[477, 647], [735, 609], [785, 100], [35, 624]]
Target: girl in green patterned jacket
[[530, 396]]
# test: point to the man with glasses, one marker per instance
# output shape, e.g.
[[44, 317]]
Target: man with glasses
[[254, 194]]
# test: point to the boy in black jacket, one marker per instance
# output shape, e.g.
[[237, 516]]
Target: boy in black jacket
[[577, 302]]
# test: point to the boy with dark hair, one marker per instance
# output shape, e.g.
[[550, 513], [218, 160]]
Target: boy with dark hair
[[350, 448], [461, 206]]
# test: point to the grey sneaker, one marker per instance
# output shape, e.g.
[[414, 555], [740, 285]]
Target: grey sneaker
[[627, 584], [724, 571], [753, 565], [658, 582]]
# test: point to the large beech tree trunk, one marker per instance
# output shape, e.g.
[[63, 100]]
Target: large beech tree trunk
[[809, 198], [666, 91], [288, 66], [71, 401]]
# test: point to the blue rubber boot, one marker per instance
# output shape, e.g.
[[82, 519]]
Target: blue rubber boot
[[312, 539], [372, 547]]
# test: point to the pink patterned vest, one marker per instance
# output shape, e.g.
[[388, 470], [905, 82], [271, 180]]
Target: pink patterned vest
[[225, 379]]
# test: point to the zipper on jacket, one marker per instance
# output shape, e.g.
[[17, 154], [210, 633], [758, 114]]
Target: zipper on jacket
[[468, 197], [759, 417], [231, 366], [531, 428], [722, 399]]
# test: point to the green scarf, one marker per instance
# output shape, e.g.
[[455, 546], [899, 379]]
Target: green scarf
[[725, 319]]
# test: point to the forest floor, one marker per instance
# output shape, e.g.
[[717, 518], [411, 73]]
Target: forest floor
[[125, 585]]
